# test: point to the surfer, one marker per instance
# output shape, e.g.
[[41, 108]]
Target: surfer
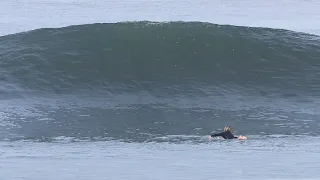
[[227, 134]]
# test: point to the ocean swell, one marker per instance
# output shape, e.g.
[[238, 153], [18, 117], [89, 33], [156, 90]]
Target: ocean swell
[[150, 56]]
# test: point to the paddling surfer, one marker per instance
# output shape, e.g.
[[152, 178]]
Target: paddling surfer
[[227, 134]]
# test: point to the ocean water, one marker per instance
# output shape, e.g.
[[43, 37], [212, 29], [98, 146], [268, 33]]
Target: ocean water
[[272, 158], [132, 89]]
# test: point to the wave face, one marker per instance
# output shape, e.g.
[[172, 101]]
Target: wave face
[[144, 55], [180, 64]]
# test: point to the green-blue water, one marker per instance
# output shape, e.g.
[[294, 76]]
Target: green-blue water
[[137, 100]]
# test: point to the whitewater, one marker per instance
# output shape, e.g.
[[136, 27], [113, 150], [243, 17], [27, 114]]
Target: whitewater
[[102, 89]]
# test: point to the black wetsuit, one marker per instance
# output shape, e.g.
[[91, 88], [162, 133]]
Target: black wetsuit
[[225, 135]]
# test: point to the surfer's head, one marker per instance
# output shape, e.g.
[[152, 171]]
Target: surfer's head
[[227, 128]]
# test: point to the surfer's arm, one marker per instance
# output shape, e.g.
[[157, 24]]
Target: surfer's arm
[[215, 135]]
